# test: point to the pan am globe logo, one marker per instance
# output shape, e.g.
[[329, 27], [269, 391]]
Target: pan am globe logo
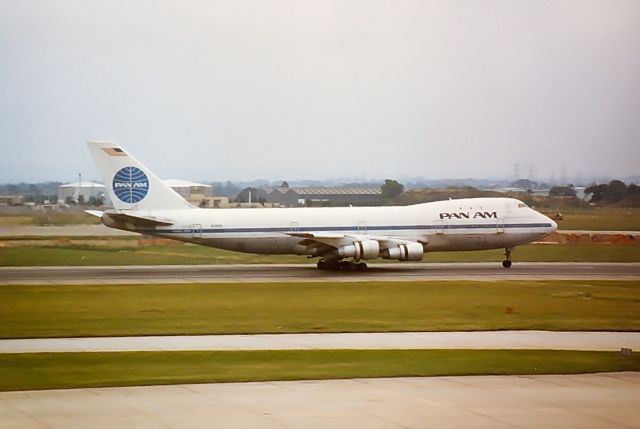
[[130, 185]]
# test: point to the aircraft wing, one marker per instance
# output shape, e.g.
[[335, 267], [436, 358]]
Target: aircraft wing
[[332, 240], [142, 221], [338, 240]]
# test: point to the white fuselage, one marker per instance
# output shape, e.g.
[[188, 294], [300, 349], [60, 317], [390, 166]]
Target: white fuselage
[[464, 224]]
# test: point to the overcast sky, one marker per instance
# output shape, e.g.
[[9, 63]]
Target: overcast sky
[[214, 90]]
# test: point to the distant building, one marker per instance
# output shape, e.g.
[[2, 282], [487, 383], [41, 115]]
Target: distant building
[[237, 205], [82, 188], [198, 194], [286, 195], [215, 202]]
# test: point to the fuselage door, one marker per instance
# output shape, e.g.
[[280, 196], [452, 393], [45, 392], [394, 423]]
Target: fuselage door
[[439, 226], [294, 227], [196, 230], [500, 225], [362, 228]]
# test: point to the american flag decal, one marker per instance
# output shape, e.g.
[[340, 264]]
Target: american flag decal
[[114, 151]]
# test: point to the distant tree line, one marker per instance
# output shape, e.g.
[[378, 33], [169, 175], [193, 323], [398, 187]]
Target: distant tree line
[[91, 202], [42, 188], [226, 189], [614, 192], [391, 188], [562, 191], [32, 192], [529, 184]]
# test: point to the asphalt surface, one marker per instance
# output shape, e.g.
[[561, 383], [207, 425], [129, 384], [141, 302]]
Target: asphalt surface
[[539, 401], [308, 272], [545, 340]]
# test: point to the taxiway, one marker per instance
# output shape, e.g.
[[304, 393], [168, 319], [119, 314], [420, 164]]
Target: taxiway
[[513, 340], [551, 401]]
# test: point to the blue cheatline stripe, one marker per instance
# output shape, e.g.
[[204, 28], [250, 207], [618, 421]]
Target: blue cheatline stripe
[[352, 228]]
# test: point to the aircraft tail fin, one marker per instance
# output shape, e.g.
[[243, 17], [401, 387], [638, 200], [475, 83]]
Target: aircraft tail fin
[[130, 185]]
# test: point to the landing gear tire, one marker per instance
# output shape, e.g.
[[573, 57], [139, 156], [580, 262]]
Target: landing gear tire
[[341, 265], [348, 266], [330, 265], [507, 262]]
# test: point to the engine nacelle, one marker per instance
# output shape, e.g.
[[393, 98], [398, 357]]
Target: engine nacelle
[[365, 249], [404, 252]]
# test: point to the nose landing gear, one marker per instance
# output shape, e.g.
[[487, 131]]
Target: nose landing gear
[[507, 254]]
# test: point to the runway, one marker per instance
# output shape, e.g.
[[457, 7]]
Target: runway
[[309, 273], [514, 340], [551, 401]]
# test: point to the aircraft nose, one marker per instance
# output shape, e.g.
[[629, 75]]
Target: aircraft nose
[[554, 225]]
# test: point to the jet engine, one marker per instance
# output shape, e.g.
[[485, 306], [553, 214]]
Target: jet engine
[[404, 252], [365, 249]]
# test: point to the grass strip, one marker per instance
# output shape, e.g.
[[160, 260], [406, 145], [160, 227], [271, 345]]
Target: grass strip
[[30, 371], [83, 255], [600, 219], [46, 238], [40, 311], [86, 255]]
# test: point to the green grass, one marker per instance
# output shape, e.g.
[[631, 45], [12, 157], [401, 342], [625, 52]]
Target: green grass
[[600, 219], [190, 254], [546, 253], [31, 371], [15, 220], [40, 218], [177, 309], [122, 239], [147, 255]]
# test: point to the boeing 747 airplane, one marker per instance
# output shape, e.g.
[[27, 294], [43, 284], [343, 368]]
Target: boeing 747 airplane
[[341, 237]]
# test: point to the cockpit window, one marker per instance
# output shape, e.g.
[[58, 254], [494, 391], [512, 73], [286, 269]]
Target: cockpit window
[[521, 205]]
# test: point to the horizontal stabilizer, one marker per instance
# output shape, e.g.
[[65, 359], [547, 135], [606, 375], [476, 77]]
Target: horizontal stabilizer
[[139, 221]]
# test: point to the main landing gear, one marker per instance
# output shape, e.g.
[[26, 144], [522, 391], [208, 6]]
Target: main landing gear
[[507, 254], [335, 265]]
